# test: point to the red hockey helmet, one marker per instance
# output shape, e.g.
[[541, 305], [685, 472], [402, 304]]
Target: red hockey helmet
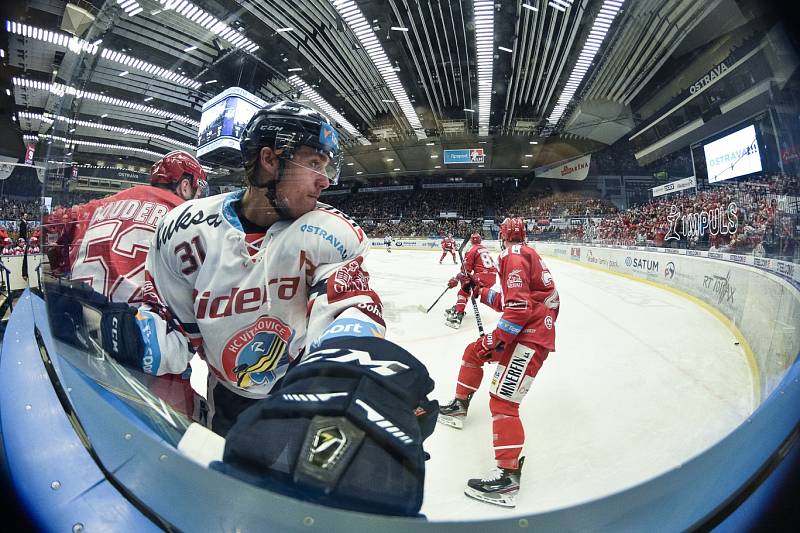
[[7, 241], [20, 241], [475, 238], [173, 167], [512, 230], [34, 241]]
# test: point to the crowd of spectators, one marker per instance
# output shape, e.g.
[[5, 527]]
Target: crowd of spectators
[[11, 208], [560, 204], [764, 212]]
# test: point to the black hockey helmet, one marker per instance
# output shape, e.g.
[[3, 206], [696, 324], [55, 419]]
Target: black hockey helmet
[[285, 126]]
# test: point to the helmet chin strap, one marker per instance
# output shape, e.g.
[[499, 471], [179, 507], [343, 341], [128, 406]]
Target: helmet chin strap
[[271, 192]]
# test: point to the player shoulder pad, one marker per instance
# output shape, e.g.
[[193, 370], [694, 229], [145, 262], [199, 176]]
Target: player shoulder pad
[[329, 235], [192, 217]]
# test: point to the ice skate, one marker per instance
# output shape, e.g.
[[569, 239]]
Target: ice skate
[[454, 413], [500, 486], [454, 320], [450, 311]]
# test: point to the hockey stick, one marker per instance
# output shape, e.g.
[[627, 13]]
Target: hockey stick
[[471, 297], [437, 299]]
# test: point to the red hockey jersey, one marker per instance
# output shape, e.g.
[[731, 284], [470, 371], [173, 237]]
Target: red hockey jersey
[[108, 240], [529, 301], [478, 262]]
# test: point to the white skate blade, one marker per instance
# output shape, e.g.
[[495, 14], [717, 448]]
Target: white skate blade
[[503, 500], [452, 421], [454, 325]]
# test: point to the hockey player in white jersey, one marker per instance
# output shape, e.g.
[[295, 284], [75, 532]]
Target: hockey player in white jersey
[[266, 281], [387, 241]]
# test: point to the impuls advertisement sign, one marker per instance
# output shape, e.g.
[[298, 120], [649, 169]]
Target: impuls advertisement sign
[[718, 221]]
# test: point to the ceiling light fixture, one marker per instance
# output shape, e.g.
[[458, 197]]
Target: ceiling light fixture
[[74, 142], [504, 49], [189, 48], [399, 28], [590, 49], [131, 7], [484, 44], [528, 6], [124, 73], [327, 108], [148, 98], [295, 69], [557, 5], [49, 119], [148, 68], [70, 42], [61, 90], [354, 18], [210, 23], [282, 30]]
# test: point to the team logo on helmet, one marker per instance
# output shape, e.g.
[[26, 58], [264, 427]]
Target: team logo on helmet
[[328, 137], [254, 355]]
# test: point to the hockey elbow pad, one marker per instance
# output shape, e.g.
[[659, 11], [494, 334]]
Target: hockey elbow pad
[[345, 428]]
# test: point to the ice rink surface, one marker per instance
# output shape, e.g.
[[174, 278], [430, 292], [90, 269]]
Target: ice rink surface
[[641, 381]]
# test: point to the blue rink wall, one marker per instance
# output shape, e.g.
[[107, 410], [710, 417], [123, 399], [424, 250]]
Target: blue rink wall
[[743, 471]]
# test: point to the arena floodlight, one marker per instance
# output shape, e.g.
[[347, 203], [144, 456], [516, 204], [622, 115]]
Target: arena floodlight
[[72, 143], [352, 15], [61, 90], [557, 8], [591, 47], [198, 16], [328, 109], [532, 8], [70, 42], [484, 46], [159, 72]]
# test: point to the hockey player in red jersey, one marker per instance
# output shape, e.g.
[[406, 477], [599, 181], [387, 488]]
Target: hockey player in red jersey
[[8, 246], [478, 268], [110, 237], [33, 247], [520, 343], [267, 283], [108, 240], [448, 246], [20, 249]]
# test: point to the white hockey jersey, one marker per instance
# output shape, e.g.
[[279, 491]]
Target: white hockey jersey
[[251, 314]]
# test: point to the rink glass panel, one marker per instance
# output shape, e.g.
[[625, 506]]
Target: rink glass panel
[[129, 404]]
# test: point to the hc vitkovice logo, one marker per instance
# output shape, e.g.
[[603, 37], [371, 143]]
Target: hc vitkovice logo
[[253, 354]]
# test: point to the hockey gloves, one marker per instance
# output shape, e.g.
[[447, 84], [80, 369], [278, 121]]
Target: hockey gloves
[[486, 345], [343, 428], [77, 313]]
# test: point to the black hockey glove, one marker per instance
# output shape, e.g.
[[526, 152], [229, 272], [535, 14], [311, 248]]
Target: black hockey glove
[[345, 428], [77, 313]]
